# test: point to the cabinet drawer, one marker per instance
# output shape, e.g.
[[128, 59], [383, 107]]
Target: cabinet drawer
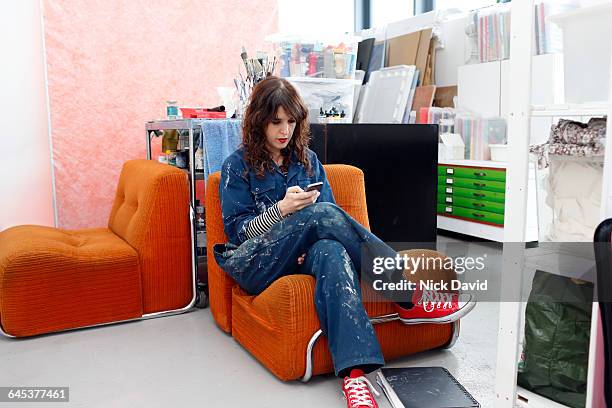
[[480, 205], [497, 186], [472, 173], [471, 193], [475, 215]]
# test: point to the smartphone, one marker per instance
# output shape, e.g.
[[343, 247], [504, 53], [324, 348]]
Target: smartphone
[[314, 186]]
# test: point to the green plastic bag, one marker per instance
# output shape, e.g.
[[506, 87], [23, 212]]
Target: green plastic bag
[[556, 346]]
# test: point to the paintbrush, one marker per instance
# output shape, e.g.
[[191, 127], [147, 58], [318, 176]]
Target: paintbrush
[[244, 57]]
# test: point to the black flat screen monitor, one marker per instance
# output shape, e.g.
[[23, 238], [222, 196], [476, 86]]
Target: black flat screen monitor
[[400, 168]]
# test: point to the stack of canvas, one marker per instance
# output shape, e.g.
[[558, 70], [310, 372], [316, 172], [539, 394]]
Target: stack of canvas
[[408, 54], [387, 95]]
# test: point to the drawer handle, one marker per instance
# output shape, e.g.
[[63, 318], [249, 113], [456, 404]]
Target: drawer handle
[[480, 174], [478, 205], [478, 195], [480, 184], [478, 215]]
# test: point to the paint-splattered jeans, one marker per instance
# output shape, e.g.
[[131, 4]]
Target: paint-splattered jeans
[[336, 246]]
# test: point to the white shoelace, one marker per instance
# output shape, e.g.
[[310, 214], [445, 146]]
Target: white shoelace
[[358, 394], [432, 299]]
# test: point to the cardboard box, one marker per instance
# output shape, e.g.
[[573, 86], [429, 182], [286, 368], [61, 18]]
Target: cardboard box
[[412, 49]]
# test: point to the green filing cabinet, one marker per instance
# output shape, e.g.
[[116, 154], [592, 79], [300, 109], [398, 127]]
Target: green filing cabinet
[[472, 193], [475, 204], [470, 214], [488, 185], [472, 173]]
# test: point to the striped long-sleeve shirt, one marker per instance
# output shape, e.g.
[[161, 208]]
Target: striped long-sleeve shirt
[[263, 222]]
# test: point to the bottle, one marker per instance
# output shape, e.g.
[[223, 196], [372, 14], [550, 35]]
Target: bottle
[[181, 159], [172, 110], [199, 159], [200, 214], [201, 242], [171, 157]]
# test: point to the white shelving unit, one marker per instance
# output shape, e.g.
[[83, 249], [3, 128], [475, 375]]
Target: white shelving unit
[[567, 110], [521, 111], [486, 88], [476, 163]]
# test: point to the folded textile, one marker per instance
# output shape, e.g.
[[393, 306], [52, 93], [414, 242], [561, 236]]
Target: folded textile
[[578, 133], [540, 154], [220, 138], [571, 138], [566, 149]]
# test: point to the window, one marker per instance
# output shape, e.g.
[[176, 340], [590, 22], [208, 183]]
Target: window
[[465, 5], [316, 16], [388, 11]]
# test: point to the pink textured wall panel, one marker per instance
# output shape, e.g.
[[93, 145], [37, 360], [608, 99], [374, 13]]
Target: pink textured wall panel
[[111, 67]]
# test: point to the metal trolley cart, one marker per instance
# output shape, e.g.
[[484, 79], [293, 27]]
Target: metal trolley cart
[[190, 133]]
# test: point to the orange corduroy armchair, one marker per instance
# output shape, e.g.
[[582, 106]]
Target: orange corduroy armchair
[[139, 266], [280, 326]]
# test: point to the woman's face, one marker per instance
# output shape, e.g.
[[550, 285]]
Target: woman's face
[[279, 131]]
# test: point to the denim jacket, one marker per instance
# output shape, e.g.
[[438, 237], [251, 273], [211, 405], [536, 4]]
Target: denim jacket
[[244, 195]]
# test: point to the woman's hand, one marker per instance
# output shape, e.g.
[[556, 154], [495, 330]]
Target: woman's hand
[[296, 199], [300, 260]]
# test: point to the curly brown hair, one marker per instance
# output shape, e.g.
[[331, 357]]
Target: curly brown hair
[[266, 98]]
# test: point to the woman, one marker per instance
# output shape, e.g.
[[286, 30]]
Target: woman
[[276, 228]]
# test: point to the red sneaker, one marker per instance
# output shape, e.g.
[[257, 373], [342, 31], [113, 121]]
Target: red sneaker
[[357, 389], [432, 306]]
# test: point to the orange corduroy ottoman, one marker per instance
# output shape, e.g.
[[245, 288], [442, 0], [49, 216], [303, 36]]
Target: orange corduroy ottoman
[[53, 279]]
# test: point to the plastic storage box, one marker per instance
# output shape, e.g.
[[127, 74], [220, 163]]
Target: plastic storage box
[[451, 147], [499, 152], [326, 93], [300, 56]]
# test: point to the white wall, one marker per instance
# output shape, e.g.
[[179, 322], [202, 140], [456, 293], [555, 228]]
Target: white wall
[[388, 11], [316, 17], [26, 193]]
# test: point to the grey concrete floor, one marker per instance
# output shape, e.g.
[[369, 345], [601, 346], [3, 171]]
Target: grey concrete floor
[[185, 360]]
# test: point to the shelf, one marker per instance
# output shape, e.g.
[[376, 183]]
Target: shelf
[[590, 109], [474, 163], [165, 124], [178, 124], [474, 229], [199, 174], [323, 80], [579, 159], [581, 12]]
